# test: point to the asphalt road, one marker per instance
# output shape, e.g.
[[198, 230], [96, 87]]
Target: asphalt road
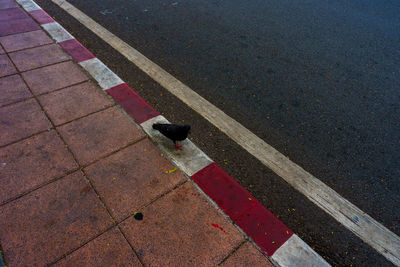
[[317, 80]]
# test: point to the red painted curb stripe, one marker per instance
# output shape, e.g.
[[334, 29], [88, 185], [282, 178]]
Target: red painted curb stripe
[[41, 16], [76, 50], [248, 213], [132, 103]]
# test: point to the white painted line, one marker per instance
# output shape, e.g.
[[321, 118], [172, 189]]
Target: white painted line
[[57, 32], [190, 159], [101, 73], [28, 5], [294, 252], [357, 221]]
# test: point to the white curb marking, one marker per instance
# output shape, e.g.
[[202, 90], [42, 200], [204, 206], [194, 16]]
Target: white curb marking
[[357, 221], [190, 159], [101, 73], [57, 32], [294, 252], [28, 5]]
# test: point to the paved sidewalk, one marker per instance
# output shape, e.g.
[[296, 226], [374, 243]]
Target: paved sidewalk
[[74, 169]]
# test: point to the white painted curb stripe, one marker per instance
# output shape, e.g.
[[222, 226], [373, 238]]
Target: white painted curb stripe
[[295, 252], [361, 224], [101, 73], [28, 5], [190, 159], [57, 32]]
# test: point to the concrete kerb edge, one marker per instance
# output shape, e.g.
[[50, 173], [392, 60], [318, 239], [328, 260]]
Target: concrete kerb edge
[[294, 252]]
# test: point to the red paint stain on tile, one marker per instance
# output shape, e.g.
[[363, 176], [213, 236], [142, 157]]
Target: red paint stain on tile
[[219, 227]]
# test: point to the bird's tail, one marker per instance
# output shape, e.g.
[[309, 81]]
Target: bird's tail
[[156, 126]]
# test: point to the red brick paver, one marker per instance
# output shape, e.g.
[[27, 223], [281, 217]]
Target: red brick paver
[[132, 178], [42, 226], [7, 4], [182, 229], [109, 249], [21, 120], [99, 134], [31, 163], [6, 67], [12, 89], [17, 26], [247, 255], [25, 40], [12, 14], [74, 102], [53, 77], [33, 58]]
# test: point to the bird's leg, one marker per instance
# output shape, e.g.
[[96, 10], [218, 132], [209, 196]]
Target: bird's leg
[[177, 147]]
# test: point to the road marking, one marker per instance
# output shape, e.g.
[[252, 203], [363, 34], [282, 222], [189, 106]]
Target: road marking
[[357, 221]]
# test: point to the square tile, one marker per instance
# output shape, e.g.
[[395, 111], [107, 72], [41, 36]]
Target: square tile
[[10, 14], [18, 26], [74, 102], [24, 40], [7, 4], [13, 89], [54, 77], [41, 227], [99, 134], [38, 57], [181, 229], [133, 177], [109, 249], [247, 255], [21, 120], [6, 66], [32, 162]]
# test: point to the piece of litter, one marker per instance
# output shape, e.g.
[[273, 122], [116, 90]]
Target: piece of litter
[[174, 3], [171, 171], [3, 164]]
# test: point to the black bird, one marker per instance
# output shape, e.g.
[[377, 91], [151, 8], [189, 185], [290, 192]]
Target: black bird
[[174, 132]]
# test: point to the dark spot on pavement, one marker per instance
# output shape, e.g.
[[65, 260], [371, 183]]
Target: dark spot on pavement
[[138, 216]]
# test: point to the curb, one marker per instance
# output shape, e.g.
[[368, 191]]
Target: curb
[[273, 238]]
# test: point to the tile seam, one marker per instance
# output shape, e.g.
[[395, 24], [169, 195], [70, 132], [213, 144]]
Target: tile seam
[[36, 46]]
